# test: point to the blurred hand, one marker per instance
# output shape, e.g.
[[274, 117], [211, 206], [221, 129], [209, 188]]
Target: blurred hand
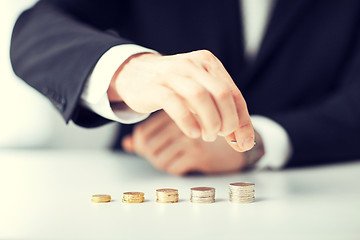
[[194, 89], [166, 147]]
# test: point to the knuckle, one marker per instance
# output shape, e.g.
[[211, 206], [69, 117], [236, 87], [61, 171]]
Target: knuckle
[[223, 94], [198, 92], [245, 125], [185, 118], [206, 54], [230, 125], [215, 125], [240, 100], [188, 61], [183, 115]]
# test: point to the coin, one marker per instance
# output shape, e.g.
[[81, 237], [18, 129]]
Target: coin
[[133, 197], [167, 195], [202, 195], [101, 198], [241, 192], [202, 200]]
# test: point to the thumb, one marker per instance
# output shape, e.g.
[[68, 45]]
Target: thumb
[[231, 140], [128, 143]]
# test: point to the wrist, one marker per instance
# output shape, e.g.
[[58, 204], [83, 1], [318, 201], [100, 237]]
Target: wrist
[[112, 92]]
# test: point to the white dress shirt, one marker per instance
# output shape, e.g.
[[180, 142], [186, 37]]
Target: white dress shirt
[[256, 14]]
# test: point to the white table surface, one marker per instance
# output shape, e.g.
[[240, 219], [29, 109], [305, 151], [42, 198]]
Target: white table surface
[[46, 195]]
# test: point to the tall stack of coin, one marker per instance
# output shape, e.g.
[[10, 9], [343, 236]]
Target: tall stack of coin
[[202, 195], [133, 197], [167, 195], [241, 192]]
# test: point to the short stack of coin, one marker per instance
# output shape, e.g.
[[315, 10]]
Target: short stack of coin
[[133, 197], [202, 195], [167, 195], [100, 198], [241, 192]]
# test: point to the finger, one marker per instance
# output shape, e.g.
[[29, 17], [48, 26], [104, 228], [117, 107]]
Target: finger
[[200, 101], [220, 85], [181, 165], [173, 149], [231, 140], [177, 109], [243, 138], [213, 66], [163, 138], [245, 134], [139, 143], [152, 125], [244, 123], [127, 143], [225, 103]]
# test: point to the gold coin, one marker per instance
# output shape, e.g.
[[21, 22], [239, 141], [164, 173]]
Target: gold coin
[[133, 197], [133, 200], [167, 201], [133, 194], [166, 190], [202, 189], [242, 184], [167, 195], [101, 198], [202, 200], [241, 192], [127, 197], [202, 195], [246, 200]]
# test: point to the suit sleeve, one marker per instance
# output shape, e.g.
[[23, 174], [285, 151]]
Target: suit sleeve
[[56, 44], [328, 131]]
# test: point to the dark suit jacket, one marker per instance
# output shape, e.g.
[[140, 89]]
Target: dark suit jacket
[[306, 76]]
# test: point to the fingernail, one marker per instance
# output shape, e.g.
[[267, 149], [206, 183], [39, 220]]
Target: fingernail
[[212, 138], [195, 133], [209, 138], [248, 143], [221, 134]]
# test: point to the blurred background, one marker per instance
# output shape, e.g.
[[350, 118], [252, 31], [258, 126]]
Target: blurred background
[[27, 119]]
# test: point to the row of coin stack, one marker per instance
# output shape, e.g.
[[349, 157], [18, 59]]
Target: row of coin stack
[[238, 193]]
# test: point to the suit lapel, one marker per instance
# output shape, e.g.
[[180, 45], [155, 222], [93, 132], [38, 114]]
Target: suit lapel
[[283, 19]]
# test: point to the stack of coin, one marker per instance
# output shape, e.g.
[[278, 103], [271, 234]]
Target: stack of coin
[[133, 197], [167, 195], [202, 195], [101, 198], [241, 192]]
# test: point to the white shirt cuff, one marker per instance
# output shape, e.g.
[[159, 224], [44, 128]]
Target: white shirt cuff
[[277, 144], [94, 96]]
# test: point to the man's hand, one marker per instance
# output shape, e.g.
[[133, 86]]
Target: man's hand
[[194, 89], [160, 141]]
